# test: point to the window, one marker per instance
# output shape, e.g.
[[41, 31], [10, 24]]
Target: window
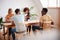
[[44, 3], [58, 3], [50, 3]]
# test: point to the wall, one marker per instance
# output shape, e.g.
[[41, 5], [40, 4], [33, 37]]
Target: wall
[[6, 4], [38, 5], [59, 18]]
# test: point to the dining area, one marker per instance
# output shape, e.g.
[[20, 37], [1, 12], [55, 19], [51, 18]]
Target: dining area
[[5, 25], [23, 27], [27, 30], [39, 34], [29, 19], [32, 35]]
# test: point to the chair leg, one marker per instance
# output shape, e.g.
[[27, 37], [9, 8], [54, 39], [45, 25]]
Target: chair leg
[[31, 27]]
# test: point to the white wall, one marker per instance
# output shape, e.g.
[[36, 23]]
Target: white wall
[[39, 7], [6, 4]]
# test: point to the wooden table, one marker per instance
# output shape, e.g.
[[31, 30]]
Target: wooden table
[[4, 24], [26, 23]]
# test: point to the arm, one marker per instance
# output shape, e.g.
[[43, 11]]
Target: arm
[[41, 22], [52, 23]]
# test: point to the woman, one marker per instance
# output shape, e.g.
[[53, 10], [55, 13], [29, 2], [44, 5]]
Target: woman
[[8, 19], [27, 17], [9, 15], [27, 13]]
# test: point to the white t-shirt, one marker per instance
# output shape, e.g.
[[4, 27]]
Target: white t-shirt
[[19, 22]]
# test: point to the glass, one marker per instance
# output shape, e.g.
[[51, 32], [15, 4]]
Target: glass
[[44, 3], [58, 3], [52, 3]]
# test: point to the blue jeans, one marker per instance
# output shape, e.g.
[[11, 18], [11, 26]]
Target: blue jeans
[[13, 33]]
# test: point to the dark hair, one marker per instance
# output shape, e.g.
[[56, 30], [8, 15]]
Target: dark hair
[[17, 10], [45, 10], [9, 10], [25, 9], [28, 14]]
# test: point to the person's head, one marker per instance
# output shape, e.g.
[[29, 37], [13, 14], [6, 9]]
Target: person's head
[[9, 10], [26, 10], [44, 11], [17, 11]]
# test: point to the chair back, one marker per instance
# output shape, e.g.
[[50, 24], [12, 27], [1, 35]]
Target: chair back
[[19, 23]]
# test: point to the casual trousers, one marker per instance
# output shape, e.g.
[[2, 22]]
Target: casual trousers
[[12, 31], [35, 27], [29, 29]]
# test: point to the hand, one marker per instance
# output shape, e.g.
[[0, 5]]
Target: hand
[[52, 23]]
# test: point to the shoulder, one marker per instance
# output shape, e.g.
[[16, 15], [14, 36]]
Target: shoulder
[[42, 16], [12, 14], [49, 16], [6, 16], [22, 14]]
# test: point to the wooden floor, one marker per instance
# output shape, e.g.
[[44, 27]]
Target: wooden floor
[[38, 35]]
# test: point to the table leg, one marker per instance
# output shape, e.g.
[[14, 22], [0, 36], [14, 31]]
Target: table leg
[[4, 31], [31, 27], [8, 35]]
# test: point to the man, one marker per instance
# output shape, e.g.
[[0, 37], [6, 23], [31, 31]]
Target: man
[[45, 20], [18, 19]]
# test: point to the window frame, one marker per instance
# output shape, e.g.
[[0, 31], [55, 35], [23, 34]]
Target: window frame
[[57, 4]]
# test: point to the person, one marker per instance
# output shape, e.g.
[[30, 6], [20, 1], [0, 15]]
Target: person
[[45, 20], [9, 15], [18, 20], [8, 19], [27, 13], [27, 17]]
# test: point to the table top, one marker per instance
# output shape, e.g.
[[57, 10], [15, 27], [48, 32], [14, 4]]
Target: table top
[[26, 22], [32, 21], [7, 23]]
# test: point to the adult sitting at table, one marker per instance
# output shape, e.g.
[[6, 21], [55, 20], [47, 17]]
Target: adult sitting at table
[[45, 20], [8, 19], [27, 17], [18, 20]]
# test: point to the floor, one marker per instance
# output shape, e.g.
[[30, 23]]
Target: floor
[[40, 35], [50, 34]]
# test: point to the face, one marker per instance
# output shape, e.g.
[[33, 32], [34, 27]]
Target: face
[[26, 12], [43, 12], [19, 12], [10, 11]]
